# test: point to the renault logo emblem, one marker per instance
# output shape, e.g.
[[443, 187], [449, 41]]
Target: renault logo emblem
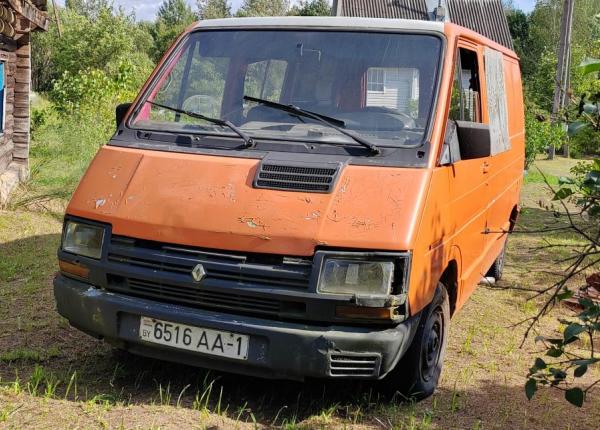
[[198, 273]]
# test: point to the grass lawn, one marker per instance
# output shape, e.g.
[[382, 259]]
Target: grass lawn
[[53, 376]]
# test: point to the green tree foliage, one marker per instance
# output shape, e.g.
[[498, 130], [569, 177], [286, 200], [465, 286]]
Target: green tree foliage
[[99, 41], [518, 23], [540, 135], [175, 12], [88, 8], [569, 357], [311, 8], [100, 60], [536, 38], [541, 44], [211, 9], [263, 8], [174, 16]]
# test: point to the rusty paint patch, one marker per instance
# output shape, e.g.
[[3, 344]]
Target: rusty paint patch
[[364, 224], [313, 215], [252, 222]]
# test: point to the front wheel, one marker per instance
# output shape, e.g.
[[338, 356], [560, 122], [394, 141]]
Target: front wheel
[[417, 374]]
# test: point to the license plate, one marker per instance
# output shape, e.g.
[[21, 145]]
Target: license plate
[[197, 339]]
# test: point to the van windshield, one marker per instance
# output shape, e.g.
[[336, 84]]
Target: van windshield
[[378, 86]]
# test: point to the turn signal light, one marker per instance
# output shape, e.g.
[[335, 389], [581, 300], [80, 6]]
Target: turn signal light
[[74, 269], [361, 312]]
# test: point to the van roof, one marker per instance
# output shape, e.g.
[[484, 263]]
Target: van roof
[[323, 22]]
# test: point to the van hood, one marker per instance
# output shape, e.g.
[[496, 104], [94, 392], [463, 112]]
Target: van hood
[[209, 202]]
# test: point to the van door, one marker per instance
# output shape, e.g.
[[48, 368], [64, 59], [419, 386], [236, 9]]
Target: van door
[[505, 112], [468, 188]]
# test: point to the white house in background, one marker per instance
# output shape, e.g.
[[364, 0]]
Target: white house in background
[[392, 87]]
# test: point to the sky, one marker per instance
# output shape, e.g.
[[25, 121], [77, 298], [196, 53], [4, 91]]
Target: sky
[[525, 5], [146, 9]]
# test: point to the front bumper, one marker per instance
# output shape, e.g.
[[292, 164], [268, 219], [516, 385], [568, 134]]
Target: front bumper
[[278, 349]]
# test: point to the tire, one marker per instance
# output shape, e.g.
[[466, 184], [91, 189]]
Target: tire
[[497, 268], [416, 375]]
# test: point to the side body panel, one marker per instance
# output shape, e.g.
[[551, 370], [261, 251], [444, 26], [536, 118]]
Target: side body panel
[[468, 204]]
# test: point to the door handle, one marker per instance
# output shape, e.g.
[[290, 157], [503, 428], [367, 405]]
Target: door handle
[[485, 167]]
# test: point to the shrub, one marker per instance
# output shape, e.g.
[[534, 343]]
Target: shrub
[[91, 95], [585, 143], [539, 136]]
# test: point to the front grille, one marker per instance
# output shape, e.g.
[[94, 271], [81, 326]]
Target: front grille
[[279, 176], [357, 365], [246, 269], [244, 283], [198, 297]]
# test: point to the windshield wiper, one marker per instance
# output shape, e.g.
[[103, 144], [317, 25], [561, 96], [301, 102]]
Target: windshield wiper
[[334, 123], [248, 141]]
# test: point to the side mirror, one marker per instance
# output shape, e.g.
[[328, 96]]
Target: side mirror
[[474, 140], [120, 112]]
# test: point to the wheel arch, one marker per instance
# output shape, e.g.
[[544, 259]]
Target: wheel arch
[[449, 279], [514, 216]]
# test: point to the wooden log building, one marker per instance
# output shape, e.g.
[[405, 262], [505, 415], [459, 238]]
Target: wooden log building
[[18, 18]]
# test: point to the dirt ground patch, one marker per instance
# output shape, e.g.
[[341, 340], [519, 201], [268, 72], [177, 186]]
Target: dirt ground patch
[[52, 376]]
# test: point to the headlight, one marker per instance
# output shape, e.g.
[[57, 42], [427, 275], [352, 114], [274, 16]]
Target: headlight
[[349, 276], [83, 239]]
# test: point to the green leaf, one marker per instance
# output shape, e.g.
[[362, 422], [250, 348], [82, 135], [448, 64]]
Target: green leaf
[[573, 330], [580, 371], [558, 374], [539, 363], [530, 388], [564, 180], [576, 127], [590, 108], [575, 396], [590, 65], [565, 295], [554, 352], [586, 362], [562, 194]]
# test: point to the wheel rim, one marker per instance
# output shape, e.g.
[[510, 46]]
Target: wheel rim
[[432, 345], [500, 263]]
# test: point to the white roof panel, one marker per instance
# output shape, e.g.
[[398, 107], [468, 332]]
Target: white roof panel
[[334, 22]]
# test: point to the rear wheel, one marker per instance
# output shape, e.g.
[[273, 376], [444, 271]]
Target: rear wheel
[[498, 267], [417, 374]]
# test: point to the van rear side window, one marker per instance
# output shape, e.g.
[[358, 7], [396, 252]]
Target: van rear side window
[[496, 101]]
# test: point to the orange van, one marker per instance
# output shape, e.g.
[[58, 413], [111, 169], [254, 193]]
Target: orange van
[[300, 197]]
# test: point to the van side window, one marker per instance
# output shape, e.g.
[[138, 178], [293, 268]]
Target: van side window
[[466, 91]]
